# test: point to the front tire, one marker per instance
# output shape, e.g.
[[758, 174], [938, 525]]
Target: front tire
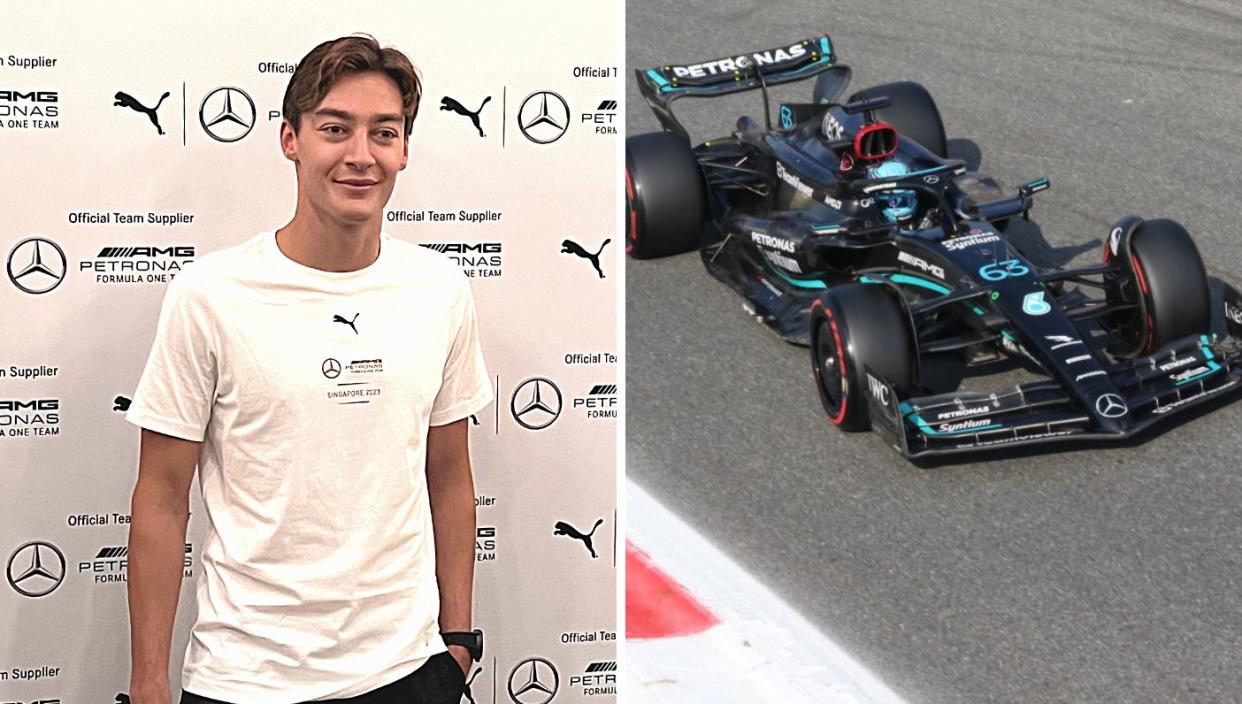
[[856, 327], [666, 198], [1160, 271], [913, 112]]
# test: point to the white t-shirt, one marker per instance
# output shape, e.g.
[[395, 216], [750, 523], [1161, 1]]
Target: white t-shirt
[[312, 392]]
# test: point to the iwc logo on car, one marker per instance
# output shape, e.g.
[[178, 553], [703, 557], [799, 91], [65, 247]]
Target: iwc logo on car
[[27, 418]]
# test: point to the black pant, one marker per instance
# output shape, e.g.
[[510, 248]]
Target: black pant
[[438, 681]]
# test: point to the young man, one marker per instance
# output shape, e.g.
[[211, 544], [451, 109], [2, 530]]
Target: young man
[[320, 377]]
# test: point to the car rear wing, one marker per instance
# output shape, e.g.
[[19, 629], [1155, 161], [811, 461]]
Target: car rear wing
[[661, 85]]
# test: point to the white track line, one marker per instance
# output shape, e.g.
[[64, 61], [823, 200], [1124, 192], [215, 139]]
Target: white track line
[[762, 651]]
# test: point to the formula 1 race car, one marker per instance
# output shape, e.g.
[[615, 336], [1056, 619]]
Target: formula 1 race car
[[848, 229]]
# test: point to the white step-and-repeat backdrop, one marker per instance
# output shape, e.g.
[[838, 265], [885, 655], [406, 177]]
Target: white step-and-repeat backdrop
[[118, 171]]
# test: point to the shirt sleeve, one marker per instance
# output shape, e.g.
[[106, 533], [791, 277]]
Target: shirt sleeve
[[178, 386], [465, 389]]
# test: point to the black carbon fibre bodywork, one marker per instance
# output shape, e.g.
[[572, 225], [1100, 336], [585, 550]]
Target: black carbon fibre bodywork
[[791, 214]]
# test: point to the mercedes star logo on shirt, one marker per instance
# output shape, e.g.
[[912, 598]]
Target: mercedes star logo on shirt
[[331, 368], [536, 403], [227, 114], [541, 120], [36, 569], [37, 265], [1111, 406], [533, 681]]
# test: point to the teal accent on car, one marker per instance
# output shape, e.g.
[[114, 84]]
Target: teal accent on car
[[800, 283], [660, 80], [1213, 367]]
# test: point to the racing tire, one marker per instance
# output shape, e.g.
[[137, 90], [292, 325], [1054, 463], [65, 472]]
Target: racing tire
[[856, 327], [912, 112], [665, 196], [1164, 274]]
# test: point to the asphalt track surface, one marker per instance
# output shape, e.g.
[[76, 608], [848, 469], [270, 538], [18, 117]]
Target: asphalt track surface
[[1086, 574]]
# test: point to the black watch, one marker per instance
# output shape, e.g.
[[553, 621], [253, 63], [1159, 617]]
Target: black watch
[[472, 641]]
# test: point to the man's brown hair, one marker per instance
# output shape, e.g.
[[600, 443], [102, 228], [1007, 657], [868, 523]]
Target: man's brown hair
[[325, 64]]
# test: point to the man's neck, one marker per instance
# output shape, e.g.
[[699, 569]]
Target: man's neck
[[312, 241]]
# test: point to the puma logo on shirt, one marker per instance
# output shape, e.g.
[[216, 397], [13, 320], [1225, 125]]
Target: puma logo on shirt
[[350, 323]]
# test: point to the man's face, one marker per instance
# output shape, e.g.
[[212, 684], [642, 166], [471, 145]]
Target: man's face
[[349, 148]]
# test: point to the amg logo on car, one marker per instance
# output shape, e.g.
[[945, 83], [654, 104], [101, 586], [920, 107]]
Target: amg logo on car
[[1177, 364], [784, 262], [771, 242], [1234, 314], [907, 258], [965, 425], [950, 415], [759, 58]]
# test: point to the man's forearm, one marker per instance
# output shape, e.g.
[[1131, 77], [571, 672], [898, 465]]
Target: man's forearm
[[156, 559], [453, 520]]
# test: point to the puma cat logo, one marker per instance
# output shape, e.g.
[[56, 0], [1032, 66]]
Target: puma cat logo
[[447, 103], [571, 247], [563, 528], [125, 100], [120, 403], [350, 323], [122, 698]]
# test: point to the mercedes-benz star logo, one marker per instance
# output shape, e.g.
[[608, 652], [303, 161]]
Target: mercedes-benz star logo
[[37, 265], [331, 368], [1111, 406], [227, 114], [36, 568], [533, 681], [932, 178], [543, 121], [540, 403]]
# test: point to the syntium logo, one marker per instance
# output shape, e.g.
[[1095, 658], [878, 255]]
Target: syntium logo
[[476, 259]]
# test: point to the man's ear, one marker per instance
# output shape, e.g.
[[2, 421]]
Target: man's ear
[[288, 141], [405, 153]]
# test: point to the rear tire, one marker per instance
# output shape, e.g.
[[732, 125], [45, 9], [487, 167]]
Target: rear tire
[[1164, 275], [856, 327], [913, 112], [666, 198]]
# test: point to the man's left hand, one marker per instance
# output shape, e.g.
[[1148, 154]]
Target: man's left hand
[[462, 656]]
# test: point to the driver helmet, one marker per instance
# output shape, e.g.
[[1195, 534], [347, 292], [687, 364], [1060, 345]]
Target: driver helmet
[[898, 206]]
